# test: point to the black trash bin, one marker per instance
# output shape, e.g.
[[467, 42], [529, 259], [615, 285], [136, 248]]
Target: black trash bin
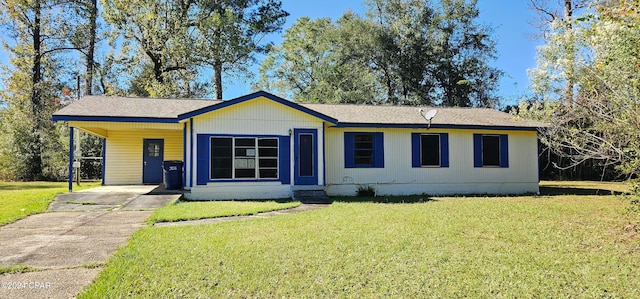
[[172, 174]]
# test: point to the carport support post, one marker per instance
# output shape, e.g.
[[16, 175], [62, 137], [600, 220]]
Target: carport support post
[[71, 129], [104, 155]]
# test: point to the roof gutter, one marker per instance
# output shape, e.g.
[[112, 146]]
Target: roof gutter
[[115, 119], [435, 126]]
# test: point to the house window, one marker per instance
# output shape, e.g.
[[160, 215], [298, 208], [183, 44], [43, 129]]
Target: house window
[[268, 158], [221, 158], [491, 150], [363, 150], [430, 150], [244, 158], [153, 150]]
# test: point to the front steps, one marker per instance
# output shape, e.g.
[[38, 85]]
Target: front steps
[[311, 196]]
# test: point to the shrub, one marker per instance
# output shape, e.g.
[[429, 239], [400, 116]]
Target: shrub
[[366, 191]]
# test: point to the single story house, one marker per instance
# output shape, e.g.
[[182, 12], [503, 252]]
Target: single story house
[[264, 146]]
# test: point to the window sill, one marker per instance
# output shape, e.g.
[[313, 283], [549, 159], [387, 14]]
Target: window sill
[[243, 180], [491, 166], [363, 166]]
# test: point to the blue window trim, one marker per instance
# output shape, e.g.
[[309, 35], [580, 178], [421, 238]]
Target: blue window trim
[[203, 155], [416, 150], [503, 155], [349, 150]]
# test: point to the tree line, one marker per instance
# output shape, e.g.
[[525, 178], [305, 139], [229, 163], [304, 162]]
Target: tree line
[[401, 52]]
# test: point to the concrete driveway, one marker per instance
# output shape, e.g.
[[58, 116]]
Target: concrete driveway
[[114, 198], [69, 245]]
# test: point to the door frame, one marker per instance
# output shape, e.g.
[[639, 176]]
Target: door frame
[[305, 180], [145, 174]]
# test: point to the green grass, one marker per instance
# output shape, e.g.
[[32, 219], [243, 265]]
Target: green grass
[[21, 199], [193, 210], [451, 247], [16, 269]]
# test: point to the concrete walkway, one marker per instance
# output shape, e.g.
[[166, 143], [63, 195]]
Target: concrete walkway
[[298, 209], [69, 245]]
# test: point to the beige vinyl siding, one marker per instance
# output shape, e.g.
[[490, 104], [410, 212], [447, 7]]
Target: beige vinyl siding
[[399, 177], [124, 153], [259, 116]]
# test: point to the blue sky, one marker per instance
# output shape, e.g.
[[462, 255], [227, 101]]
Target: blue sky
[[509, 18]]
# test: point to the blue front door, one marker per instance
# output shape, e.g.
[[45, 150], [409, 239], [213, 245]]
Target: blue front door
[[152, 156], [306, 156]]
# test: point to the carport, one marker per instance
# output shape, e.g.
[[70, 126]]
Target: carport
[[138, 134]]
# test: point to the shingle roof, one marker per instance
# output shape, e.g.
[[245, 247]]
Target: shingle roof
[[366, 115], [406, 115], [101, 106]]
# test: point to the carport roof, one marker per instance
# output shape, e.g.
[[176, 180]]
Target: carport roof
[[103, 108]]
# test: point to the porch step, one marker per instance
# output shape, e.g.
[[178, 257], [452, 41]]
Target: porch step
[[311, 196]]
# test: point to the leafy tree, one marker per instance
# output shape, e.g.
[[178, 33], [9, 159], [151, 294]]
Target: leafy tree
[[463, 74], [403, 52], [176, 38], [37, 29], [159, 31], [438, 53], [229, 32], [320, 61]]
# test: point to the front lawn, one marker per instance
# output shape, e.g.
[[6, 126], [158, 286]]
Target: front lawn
[[21, 199], [186, 210], [478, 247]]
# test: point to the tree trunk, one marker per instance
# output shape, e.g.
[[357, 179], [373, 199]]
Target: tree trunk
[[568, 89], [217, 78], [34, 162], [93, 16], [157, 70], [389, 83]]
